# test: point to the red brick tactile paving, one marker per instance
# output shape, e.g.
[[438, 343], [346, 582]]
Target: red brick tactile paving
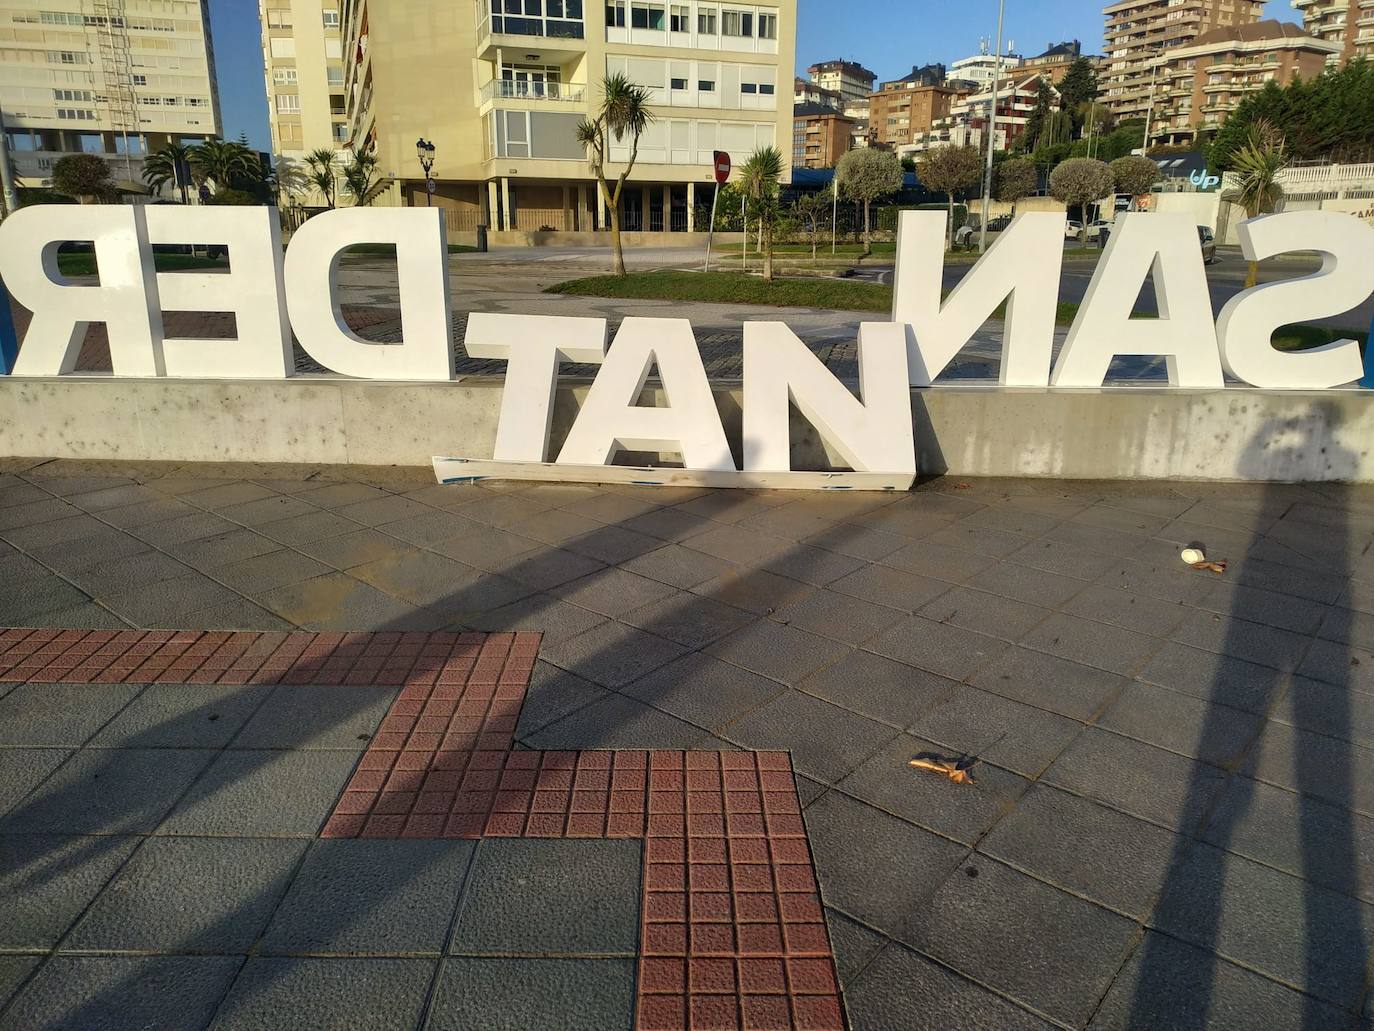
[[732, 933]]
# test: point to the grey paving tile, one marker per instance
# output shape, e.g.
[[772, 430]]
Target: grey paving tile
[[1327, 709], [985, 613], [887, 691], [688, 620], [838, 616], [124, 574], [1292, 930], [60, 715], [617, 722], [556, 619], [1046, 948], [936, 647], [354, 548], [551, 897], [862, 542], [1212, 677], [189, 894], [704, 690], [1092, 644], [967, 721], [182, 716], [47, 880], [1137, 778], [1085, 848], [486, 547], [1138, 612], [122, 993], [731, 506], [1169, 983], [1048, 682], [520, 994], [35, 513], [165, 604], [854, 945], [336, 495], [780, 652], [74, 556], [1315, 765], [1254, 642], [668, 524], [381, 510], [1311, 584], [1128, 520], [14, 970], [1339, 664], [23, 769], [88, 615], [1093, 546], [940, 561], [303, 994], [315, 525], [229, 798], [366, 896], [108, 792], [738, 545], [827, 742], [613, 592], [266, 510], [552, 694], [228, 494], [507, 510], [422, 578], [754, 590], [612, 508], [890, 587], [906, 519], [264, 572], [17, 492], [1261, 606], [981, 540], [222, 548], [182, 530], [613, 544], [1063, 558], [239, 614], [1020, 519], [301, 716], [960, 811], [856, 849], [1347, 626], [612, 654], [677, 566], [1216, 734], [793, 521], [335, 601], [1298, 834], [551, 526], [546, 568], [902, 990], [811, 565], [28, 589]]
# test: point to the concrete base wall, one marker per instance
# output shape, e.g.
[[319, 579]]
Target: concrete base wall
[[1123, 433], [522, 238]]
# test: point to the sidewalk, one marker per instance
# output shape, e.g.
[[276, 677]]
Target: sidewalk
[[535, 757]]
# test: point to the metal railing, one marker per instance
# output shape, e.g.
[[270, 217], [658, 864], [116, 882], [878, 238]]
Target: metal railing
[[507, 89]]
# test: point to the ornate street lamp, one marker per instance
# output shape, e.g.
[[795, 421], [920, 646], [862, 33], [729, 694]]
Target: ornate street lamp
[[424, 150]]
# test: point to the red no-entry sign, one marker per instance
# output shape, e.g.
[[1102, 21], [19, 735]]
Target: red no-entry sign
[[722, 160]]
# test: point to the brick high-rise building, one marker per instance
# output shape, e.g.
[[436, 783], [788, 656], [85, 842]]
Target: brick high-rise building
[[820, 136], [1349, 23]]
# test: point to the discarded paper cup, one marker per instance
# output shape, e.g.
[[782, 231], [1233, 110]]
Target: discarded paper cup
[[1193, 556]]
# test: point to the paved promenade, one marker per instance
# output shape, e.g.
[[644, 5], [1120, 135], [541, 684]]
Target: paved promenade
[[335, 748]]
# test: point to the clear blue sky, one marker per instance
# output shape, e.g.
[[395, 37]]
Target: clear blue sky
[[886, 36]]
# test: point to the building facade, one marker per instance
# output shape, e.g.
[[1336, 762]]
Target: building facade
[[1140, 30], [966, 122], [1198, 85], [820, 136], [119, 78], [501, 95], [851, 81], [805, 91], [302, 46], [905, 108], [981, 68], [1054, 63], [1348, 23]]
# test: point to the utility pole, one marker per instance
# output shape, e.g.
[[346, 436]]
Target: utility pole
[[1150, 110], [992, 129]]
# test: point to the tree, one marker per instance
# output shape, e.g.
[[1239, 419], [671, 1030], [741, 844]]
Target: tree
[[1079, 86], [1080, 181], [1016, 178], [322, 174], [624, 112], [1134, 174], [360, 176], [812, 211], [759, 179], [226, 164], [1258, 165], [171, 164], [228, 196], [950, 170], [83, 176], [1035, 122], [866, 175]]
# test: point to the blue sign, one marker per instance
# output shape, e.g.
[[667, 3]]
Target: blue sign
[[9, 340], [1368, 381], [1203, 180]]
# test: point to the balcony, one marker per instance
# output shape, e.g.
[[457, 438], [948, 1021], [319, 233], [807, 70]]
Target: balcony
[[559, 38], [504, 89]]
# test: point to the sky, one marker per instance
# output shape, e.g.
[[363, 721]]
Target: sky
[[886, 36]]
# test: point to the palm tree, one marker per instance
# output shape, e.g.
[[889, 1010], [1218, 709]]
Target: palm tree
[[759, 180], [1258, 163], [171, 164], [360, 177], [221, 162], [322, 173], [624, 112]]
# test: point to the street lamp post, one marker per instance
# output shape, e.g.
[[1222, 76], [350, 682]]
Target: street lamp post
[[11, 197], [992, 129], [1150, 108], [424, 150]]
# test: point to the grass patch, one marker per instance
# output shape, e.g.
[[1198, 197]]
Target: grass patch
[[82, 263], [1300, 338], [733, 288], [388, 250], [822, 249]]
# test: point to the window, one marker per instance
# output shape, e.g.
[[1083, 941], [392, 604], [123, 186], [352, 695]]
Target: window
[[281, 76], [736, 23], [680, 19], [331, 19], [748, 87], [335, 76], [766, 89], [615, 15], [66, 57], [678, 83], [278, 19], [288, 104], [646, 16], [706, 21], [768, 26], [72, 94], [75, 114], [707, 85]]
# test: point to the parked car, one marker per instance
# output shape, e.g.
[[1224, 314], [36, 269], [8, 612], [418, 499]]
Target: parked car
[[1209, 244], [1072, 228], [1095, 228], [999, 224]]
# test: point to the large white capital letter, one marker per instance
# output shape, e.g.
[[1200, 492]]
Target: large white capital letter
[[125, 298], [1184, 332], [252, 290], [1247, 323], [532, 345], [1021, 267], [610, 419], [873, 434], [312, 268]]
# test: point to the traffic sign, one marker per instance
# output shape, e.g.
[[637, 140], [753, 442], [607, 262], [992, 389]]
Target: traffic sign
[[722, 161]]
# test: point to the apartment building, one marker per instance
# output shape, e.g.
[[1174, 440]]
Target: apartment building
[[1198, 85], [1054, 63], [906, 107], [850, 80], [981, 68], [117, 78], [966, 122], [302, 46], [1140, 30], [1349, 23], [805, 91], [500, 94], [820, 136]]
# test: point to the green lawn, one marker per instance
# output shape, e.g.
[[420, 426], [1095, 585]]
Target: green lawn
[[388, 250], [82, 263], [733, 288], [822, 249], [1300, 338]]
